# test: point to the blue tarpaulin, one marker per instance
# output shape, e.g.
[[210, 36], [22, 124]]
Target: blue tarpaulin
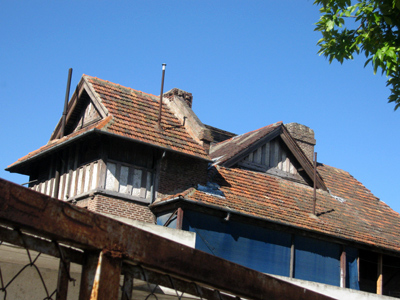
[[255, 247], [352, 268], [317, 260], [268, 250]]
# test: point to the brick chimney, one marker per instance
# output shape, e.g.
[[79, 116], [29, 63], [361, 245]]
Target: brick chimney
[[180, 103], [187, 97], [304, 136]]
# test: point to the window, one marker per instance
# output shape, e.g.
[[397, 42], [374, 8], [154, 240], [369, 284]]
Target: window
[[129, 180]]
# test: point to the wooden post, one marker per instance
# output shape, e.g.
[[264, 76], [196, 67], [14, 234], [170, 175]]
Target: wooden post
[[379, 283], [291, 270], [106, 280], [343, 268], [179, 220]]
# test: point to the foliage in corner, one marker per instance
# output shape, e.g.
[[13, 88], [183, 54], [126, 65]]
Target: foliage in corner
[[367, 26]]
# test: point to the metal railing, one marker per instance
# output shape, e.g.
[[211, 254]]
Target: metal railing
[[116, 261]]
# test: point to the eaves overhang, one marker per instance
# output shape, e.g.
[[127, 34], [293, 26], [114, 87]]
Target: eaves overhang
[[19, 166], [155, 146]]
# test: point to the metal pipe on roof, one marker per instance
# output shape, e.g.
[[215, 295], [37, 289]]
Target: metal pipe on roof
[[161, 95], [63, 121], [64, 116], [315, 182]]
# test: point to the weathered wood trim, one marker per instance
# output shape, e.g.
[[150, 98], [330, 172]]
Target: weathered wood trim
[[52, 170], [379, 282], [117, 176], [301, 157], [69, 182], [103, 165], [343, 263], [179, 218], [95, 100], [75, 98], [240, 156], [270, 170]]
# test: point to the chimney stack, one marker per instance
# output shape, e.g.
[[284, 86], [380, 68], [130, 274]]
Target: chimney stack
[[304, 136], [187, 97]]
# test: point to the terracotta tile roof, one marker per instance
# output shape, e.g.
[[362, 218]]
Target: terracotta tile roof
[[227, 149], [135, 116], [100, 125], [348, 210]]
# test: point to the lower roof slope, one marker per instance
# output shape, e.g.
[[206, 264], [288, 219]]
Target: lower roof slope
[[346, 211]]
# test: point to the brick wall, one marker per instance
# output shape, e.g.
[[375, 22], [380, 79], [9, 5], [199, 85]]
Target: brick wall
[[179, 173], [118, 207], [304, 136]]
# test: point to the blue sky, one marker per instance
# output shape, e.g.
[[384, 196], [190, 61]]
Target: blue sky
[[247, 63]]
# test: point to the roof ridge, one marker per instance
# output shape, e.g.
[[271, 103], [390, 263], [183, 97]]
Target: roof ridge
[[117, 84], [239, 135]]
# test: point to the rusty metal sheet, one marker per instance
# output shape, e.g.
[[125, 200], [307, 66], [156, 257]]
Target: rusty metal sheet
[[70, 224]]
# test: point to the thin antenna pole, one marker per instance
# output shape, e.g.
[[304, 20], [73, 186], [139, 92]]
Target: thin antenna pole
[[161, 95], [315, 181], [64, 115]]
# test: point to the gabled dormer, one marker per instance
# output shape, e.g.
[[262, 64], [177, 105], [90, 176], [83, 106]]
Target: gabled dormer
[[84, 109], [272, 150], [115, 155]]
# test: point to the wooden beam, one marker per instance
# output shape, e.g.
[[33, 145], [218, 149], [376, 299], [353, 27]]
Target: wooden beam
[[379, 282], [179, 220], [343, 261]]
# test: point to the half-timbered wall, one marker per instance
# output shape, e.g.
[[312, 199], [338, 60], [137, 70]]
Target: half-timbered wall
[[273, 158], [79, 173], [113, 168]]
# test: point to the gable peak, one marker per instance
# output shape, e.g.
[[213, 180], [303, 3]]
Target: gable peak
[[304, 136]]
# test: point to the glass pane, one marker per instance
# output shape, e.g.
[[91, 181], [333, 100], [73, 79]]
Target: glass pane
[[110, 177], [137, 182], [123, 179], [148, 186]]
